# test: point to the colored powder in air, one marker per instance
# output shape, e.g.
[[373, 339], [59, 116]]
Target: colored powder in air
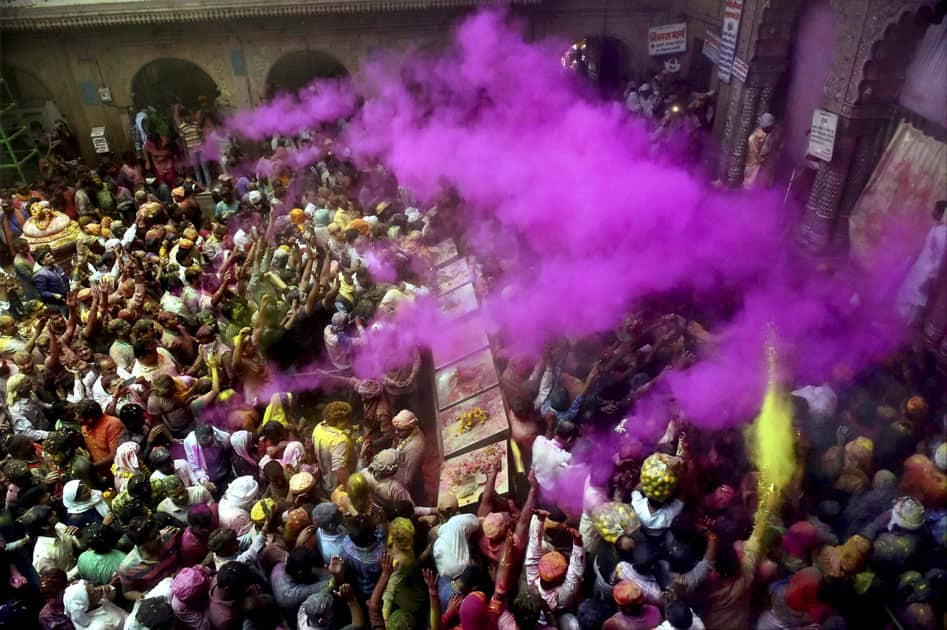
[[771, 435], [565, 198]]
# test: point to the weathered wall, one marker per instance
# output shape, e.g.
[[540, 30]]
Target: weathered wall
[[110, 57]]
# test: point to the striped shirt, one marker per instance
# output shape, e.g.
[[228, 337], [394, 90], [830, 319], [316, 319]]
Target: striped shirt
[[139, 574], [191, 134]]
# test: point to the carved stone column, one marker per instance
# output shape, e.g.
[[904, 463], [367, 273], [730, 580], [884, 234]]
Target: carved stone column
[[730, 123], [821, 215], [767, 91], [745, 124], [859, 172]]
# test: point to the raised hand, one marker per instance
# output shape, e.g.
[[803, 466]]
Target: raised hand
[[345, 593], [387, 564], [430, 578], [453, 605]]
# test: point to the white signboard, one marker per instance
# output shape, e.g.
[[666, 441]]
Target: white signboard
[[740, 69], [822, 134], [711, 48], [668, 39], [99, 142], [732, 10]]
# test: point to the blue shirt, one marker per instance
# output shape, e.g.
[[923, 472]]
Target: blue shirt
[[223, 210], [364, 563]]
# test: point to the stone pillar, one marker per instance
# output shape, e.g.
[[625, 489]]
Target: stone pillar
[[744, 126], [726, 139], [767, 91], [859, 173], [819, 221]]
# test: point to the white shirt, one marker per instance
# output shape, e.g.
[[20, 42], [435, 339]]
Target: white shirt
[[549, 460], [696, 624], [195, 495], [914, 291], [655, 522], [563, 595], [452, 548], [56, 552]]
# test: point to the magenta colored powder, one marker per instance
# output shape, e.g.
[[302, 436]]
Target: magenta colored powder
[[568, 182]]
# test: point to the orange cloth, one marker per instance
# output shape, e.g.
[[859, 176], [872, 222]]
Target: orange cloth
[[102, 436], [553, 566], [627, 593]]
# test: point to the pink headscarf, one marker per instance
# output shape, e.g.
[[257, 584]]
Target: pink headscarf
[[240, 441], [473, 611], [126, 457], [294, 454], [190, 583], [126, 464]]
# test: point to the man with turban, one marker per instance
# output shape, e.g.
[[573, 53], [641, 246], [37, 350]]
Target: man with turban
[[410, 443], [556, 579], [386, 490], [376, 413], [633, 612], [333, 445], [189, 591], [763, 149]]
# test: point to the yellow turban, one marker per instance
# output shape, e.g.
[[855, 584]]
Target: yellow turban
[[337, 411], [258, 513]]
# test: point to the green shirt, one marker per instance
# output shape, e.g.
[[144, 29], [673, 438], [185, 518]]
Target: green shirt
[[99, 568]]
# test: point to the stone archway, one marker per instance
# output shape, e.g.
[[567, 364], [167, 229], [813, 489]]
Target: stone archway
[[863, 91], [298, 68], [27, 89], [164, 82]]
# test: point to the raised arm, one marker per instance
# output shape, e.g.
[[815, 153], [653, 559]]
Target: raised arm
[[486, 499], [375, 615], [430, 578]]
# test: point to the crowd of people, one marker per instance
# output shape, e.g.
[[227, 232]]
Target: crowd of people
[[166, 463]]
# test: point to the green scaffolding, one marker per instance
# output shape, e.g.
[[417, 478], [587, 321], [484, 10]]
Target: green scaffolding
[[12, 155]]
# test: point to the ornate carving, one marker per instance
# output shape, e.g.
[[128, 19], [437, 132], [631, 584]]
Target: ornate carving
[[744, 127], [34, 19], [858, 174], [819, 222], [733, 111], [872, 31], [862, 88], [767, 91]]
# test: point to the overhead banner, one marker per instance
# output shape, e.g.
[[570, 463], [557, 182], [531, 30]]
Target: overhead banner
[[822, 134], [729, 36], [711, 48], [667, 39]]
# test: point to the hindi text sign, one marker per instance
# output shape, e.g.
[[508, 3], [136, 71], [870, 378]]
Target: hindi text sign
[[822, 134], [667, 39], [732, 10], [711, 48]]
